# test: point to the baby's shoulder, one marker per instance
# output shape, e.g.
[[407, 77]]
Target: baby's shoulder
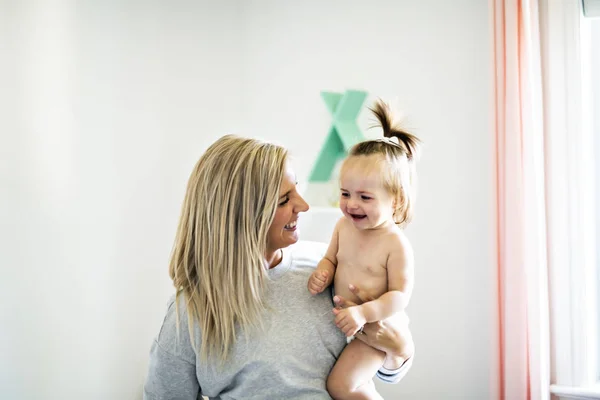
[[343, 224], [397, 241]]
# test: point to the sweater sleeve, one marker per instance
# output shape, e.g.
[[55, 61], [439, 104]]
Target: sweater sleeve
[[170, 377]]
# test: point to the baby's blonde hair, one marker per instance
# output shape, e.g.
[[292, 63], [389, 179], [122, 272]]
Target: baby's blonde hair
[[218, 260], [395, 156]]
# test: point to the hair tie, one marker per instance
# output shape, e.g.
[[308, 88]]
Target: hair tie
[[391, 140]]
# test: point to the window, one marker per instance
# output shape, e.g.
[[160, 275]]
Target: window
[[573, 46], [595, 108], [590, 57]]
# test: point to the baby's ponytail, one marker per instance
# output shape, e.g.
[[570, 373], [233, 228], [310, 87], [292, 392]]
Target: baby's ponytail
[[396, 154], [394, 133]]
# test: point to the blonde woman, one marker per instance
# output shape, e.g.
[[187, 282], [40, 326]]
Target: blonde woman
[[242, 324]]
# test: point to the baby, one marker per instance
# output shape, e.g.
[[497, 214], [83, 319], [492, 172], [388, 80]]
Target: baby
[[369, 247]]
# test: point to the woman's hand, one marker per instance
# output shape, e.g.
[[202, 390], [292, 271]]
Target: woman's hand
[[394, 339]]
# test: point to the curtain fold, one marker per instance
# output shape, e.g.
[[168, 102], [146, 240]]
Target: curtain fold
[[522, 267]]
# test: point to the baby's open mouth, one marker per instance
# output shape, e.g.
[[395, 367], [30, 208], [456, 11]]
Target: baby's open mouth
[[357, 216]]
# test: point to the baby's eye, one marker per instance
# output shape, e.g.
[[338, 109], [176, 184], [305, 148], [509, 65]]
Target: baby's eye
[[365, 197], [344, 194]]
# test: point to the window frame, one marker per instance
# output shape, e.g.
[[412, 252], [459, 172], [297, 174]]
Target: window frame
[[595, 109]]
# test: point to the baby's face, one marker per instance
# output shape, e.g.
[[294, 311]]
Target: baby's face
[[363, 199]]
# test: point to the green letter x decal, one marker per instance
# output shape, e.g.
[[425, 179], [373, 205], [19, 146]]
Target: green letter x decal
[[343, 134]]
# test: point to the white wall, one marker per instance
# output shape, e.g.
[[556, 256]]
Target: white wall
[[108, 106]]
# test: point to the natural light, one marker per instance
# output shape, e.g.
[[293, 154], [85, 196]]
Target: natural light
[[121, 187], [595, 62], [591, 89], [574, 66], [590, 47]]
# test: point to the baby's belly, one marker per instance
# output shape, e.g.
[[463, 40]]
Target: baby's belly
[[372, 282]]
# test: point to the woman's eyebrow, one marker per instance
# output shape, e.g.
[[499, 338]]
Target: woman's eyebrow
[[285, 194]]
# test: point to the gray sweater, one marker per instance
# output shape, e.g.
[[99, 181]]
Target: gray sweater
[[289, 360]]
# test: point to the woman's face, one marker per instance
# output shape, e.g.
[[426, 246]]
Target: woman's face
[[283, 231]]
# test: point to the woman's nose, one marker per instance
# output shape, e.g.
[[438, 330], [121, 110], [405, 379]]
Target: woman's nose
[[301, 205]]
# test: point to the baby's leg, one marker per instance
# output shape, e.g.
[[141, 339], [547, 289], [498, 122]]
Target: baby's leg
[[352, 374]]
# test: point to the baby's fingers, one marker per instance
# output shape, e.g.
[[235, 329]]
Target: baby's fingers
[[315, 287], [340, 318], [320, 276], [351, 332]]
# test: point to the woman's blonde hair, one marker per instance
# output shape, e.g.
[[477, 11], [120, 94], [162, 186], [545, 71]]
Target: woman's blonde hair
[[218, 260], [397, 153]]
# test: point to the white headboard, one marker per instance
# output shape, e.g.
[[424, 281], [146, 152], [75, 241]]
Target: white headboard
[[317, 224]]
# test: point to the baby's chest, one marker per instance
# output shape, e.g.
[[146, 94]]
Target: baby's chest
[[361, 254], [366, 269]]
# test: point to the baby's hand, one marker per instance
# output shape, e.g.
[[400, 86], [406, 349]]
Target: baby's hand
[[318, 281], [349, 320]]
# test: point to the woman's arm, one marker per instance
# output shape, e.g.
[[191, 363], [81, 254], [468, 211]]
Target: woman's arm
[[172, 365], [169, 377]]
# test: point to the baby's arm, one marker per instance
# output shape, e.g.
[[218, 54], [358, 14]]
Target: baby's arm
[[400, 283], [323, 274]]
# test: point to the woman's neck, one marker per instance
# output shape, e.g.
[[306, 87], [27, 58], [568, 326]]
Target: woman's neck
[[273, 258]]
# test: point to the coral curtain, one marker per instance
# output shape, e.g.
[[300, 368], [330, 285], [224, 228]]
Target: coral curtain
[[522, 267]]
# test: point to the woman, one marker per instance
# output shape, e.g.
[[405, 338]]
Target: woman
[[243, 324]]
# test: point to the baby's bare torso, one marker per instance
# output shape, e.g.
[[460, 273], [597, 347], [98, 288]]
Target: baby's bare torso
[[362, 260]]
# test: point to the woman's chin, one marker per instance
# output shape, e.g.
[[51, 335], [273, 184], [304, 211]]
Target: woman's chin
[[290, 236]]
